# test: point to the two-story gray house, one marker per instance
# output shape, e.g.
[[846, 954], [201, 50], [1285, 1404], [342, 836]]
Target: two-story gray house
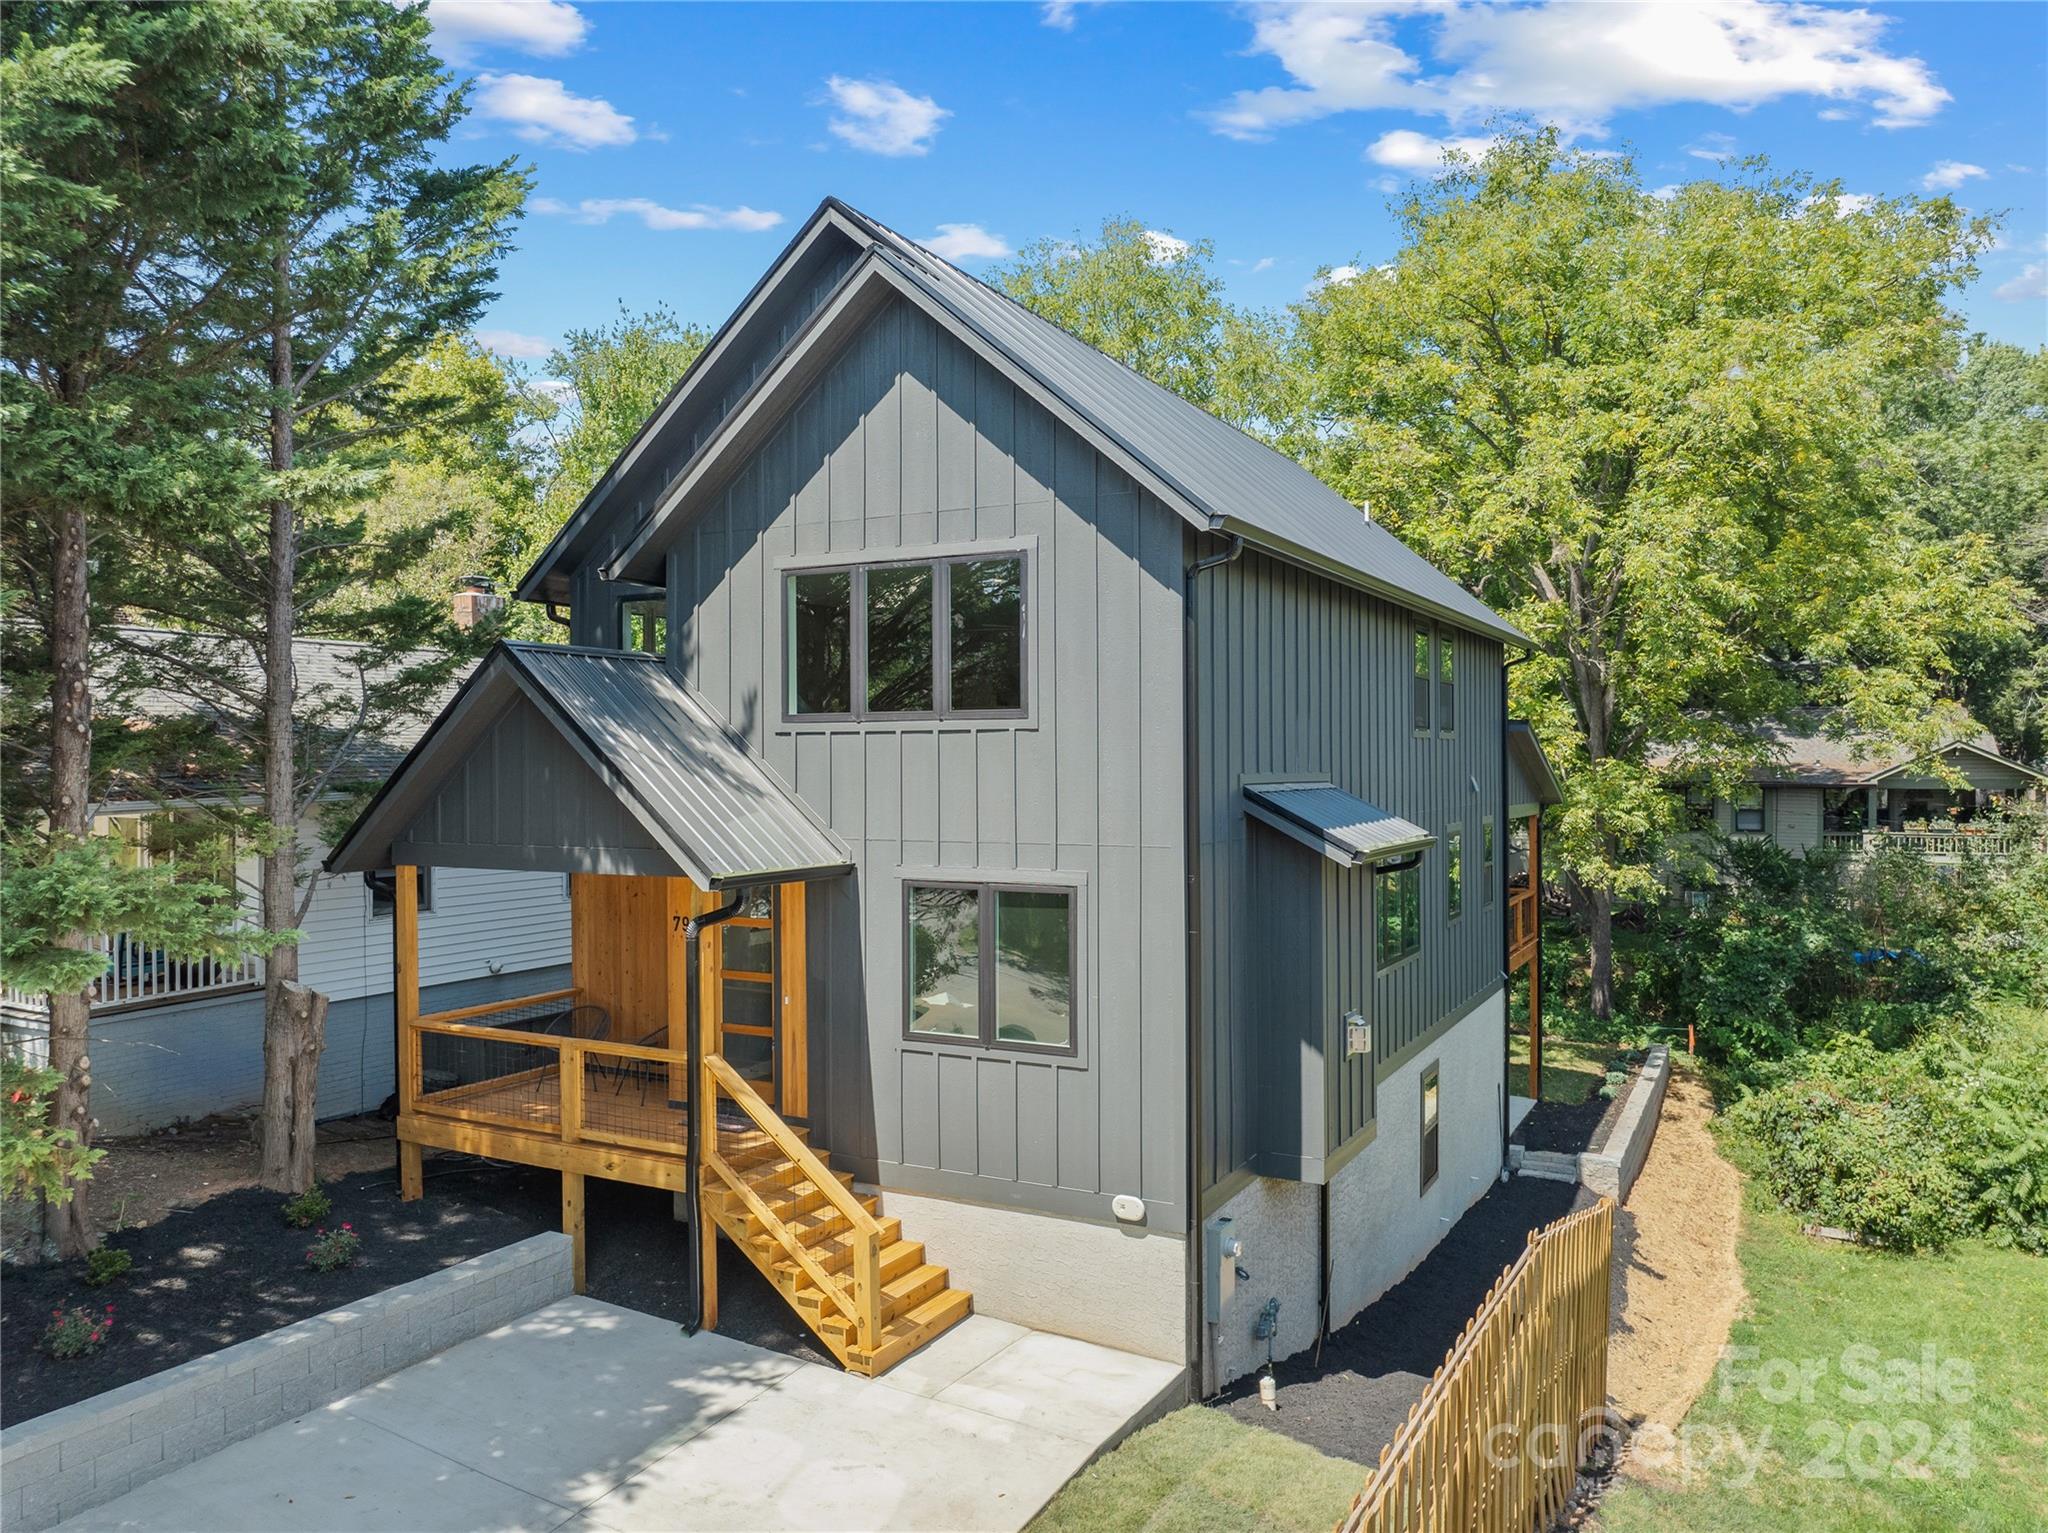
[[1063, 839]]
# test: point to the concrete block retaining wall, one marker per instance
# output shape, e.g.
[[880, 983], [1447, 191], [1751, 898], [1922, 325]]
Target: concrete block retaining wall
[[1612, 1170], [63, 1463]]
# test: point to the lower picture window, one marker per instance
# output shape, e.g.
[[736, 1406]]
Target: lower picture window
[[991, 965], [1430, 1109]]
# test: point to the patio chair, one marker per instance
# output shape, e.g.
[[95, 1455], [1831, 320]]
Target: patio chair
[[586, 1024]]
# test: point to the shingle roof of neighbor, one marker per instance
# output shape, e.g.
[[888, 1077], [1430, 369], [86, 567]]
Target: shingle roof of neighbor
[[1222, 478], [1805, 750]]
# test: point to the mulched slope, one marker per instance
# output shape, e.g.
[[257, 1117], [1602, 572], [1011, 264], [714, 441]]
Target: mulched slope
[[1574, 1127], [1350, 1402], [231, 1269]]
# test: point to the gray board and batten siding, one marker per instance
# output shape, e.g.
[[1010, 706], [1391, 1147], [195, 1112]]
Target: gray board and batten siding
[[908, 446], [1300, 678]]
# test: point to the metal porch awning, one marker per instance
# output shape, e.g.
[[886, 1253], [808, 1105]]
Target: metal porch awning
[[1342, 826]]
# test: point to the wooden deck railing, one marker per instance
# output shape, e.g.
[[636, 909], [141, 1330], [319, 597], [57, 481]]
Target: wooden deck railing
[[574, 1089], [146, 974], [859, 1298], [1523, 920], [1495, 1442]]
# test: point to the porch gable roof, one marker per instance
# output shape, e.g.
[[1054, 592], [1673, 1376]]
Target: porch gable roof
[[678, 792]]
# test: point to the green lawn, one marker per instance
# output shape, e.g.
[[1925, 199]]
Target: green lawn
[[1958, 1441], [1571, 1071], [1198, 1471]]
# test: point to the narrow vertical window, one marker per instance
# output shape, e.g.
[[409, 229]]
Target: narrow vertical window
[[945, 961], [1446, 683], [1454, 872], [1431, 1112], [987, 640], [899, 612], [1422, 680], [1034, 967], [820, 628], [1486, 856], [1397, 913]]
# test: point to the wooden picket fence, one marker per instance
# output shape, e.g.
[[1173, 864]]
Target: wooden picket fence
[[1494, 1444]]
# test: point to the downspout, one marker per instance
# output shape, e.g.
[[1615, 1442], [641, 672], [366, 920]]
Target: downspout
[[1500, 865], [557, 617], [1191, 780], [701, 1121]]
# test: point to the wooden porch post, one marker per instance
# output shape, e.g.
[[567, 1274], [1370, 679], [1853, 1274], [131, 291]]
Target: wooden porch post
[[572, 1221], [704, 1104], [1536, 957], [405, 935]]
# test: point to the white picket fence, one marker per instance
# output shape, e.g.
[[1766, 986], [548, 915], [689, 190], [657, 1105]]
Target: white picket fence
[[1945, 845]]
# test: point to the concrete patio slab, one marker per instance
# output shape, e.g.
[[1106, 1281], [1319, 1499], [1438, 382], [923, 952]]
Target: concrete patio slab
[[595, 1419]]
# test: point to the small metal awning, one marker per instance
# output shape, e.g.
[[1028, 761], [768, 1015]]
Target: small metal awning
[[1342, 826], [562, 759]]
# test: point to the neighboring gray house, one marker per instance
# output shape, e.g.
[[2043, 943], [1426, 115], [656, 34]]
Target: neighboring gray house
[[1852, 793], [1106, 820], [174, 1040]]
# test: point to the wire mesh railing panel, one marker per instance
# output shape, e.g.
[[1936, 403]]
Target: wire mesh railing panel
[[514, 1078], [634, 1099]]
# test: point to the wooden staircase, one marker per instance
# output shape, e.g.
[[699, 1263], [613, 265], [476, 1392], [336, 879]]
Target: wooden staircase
[[868, 1293]]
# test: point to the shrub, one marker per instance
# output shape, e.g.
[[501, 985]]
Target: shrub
[[332, 1250], [1912, 1148], [36, 1159], [308, 1208], [106, 1263], [77, 1332]]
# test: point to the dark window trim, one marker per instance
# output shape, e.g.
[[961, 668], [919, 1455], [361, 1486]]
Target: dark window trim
[[942, 639], [1446, 687], [1487, 852], [381, 884], [1433, 1071], [1422, 717], [1454, 871], [619, 622], [1380, 869], [985, 1010], [1736, 809]]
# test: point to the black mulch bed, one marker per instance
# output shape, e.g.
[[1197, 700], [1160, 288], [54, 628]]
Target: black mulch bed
[[1349, 1402], [1572, 1128], [231, 1269]]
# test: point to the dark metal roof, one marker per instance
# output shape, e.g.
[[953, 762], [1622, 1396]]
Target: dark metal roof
[[1342, 826], [710, 803]]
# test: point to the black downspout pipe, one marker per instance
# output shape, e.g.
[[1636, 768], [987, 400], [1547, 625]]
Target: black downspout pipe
[[1191, 831], [703, 1116], [1500, 866]]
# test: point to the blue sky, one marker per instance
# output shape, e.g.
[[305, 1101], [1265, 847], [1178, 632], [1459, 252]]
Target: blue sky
[[677, 146]]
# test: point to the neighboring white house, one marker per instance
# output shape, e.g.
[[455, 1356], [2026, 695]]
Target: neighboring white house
[[1852, 794], [175, 1040]]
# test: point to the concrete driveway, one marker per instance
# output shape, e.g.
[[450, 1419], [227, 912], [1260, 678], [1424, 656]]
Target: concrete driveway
[[584, 1416]]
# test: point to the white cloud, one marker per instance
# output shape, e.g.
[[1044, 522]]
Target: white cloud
[[1666, 192], [602, 210], [1947, 175], [1263, 263], [547, 112], [1058, 13], [1336, 276], [1405, 149], [513, 343], [549, 28], [2030, 286], [883, 118], [1163, 249], [1713, 147], [966, 242], [1575, 65]]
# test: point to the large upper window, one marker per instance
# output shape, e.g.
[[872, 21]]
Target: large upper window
[[906, 640], [990, 964], [1396, 912]]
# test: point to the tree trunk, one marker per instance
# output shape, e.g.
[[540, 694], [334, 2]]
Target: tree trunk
[[71, 819], [308, 1013], [1600, 978], [283, 1038]]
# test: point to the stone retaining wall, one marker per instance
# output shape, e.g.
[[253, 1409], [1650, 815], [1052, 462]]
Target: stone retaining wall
[[1613, 1170], [60, 1464]]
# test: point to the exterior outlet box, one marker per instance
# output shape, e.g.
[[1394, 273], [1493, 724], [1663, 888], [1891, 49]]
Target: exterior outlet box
[[1128, 1207], [1220, 1252], [1357, 1035]]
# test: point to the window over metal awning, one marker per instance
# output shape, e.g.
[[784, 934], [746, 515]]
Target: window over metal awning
[[562, 759], [1342, 826]]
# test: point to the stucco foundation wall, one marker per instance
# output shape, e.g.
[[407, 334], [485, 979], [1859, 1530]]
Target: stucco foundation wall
[[1279, 1225], [68, 1461], [1381, 1223], [153, 1066], [1117, 1286]]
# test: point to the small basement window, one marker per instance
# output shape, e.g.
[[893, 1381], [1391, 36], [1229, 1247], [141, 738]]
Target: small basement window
[[643, 625], [990, 964], [1431, 1110], [1397, 913]]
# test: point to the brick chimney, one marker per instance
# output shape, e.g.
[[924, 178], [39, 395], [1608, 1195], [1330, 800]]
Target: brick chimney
[[477, 599]]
